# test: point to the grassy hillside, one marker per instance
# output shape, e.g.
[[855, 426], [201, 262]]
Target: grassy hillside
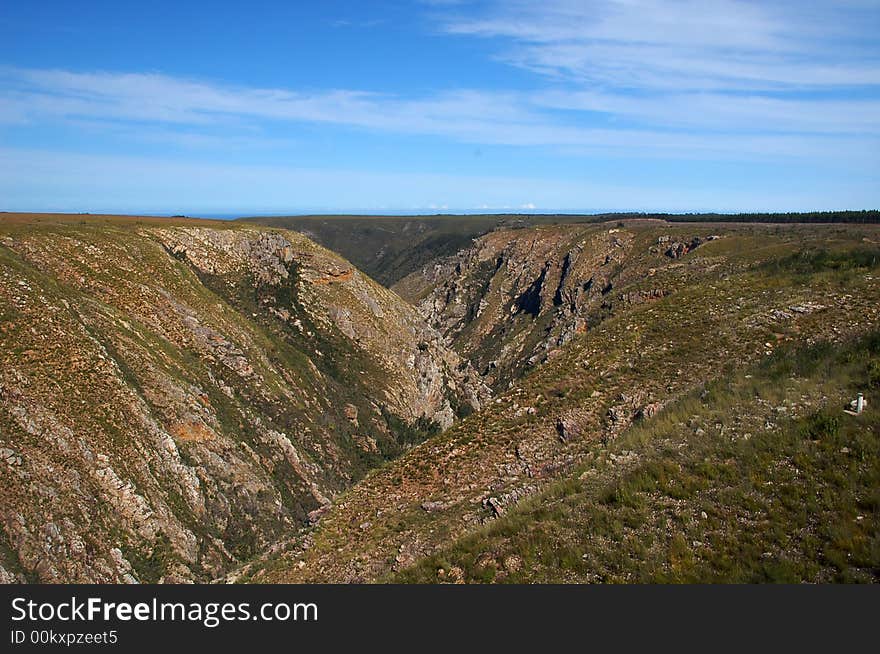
[[757, 476], [175, 395], [190, 400], [757, 294], [388, 248]]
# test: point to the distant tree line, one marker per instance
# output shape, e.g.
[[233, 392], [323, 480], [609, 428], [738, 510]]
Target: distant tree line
[[863, 216]]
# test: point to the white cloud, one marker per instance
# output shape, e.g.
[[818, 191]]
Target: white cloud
[[791, 84], [728, 112], [144, 106], [687, 44], [705, 80]]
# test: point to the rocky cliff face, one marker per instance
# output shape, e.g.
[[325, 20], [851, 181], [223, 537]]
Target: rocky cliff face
[[337, 298], [173, 399], [513, 298]]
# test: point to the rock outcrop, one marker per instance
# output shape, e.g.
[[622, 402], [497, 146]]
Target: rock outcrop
[[514, 297]]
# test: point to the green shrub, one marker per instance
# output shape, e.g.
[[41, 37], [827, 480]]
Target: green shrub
[[874, 374], [821, 425], [812, 261]]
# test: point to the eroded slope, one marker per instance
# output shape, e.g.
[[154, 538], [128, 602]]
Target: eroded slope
[[680, 313], [512, 299], [756, 477], [174, 399]]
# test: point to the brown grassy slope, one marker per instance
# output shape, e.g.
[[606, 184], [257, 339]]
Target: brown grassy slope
[[729, 306], [9, 219], [175, 395], [389, 248], [759, 476], [513, 298]]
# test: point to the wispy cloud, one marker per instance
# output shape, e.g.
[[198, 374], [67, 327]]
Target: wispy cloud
[[699, 76], [728, 112], [688, 44], [781, 85], [740, 127]]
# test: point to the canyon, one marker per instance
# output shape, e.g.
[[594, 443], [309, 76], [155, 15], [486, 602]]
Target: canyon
[[189, 401]]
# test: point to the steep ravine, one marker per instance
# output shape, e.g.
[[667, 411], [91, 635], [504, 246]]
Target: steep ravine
[[194, 402], [675, 308], [174, 399], [512, 299]]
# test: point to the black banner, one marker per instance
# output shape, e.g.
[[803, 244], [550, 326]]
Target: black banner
[[132, 618]]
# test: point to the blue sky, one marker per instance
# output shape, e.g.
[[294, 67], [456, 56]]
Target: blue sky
[[439, 105]]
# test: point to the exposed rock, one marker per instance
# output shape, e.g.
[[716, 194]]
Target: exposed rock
[[502, 286], [637, 297], [315, 516], [649, 410], [165, 395], [10, 456], [494, 505], [485, 560], [678, 249], [456, 575], [513, 563], [807, 307], [366, 443], [431, 507], [567, 428], [351, 413]]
